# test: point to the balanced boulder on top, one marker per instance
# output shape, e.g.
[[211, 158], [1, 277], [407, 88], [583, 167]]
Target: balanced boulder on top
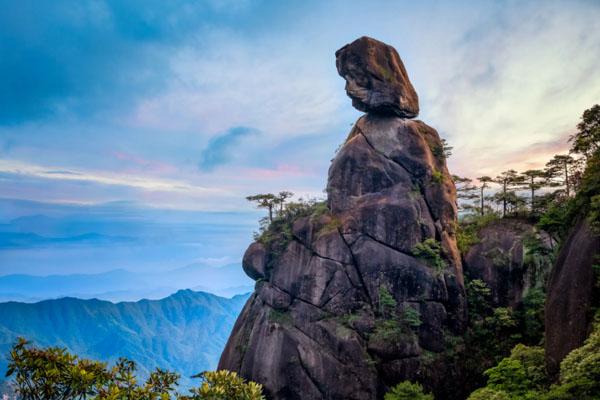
[[346, 304], [376, 79]]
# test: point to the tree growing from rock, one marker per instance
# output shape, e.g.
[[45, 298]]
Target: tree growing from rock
[[446, 149], [274, 203], [509, 181], [465, 191], [484, 184], [267, 201], [559, 167], [280, 199], [533, 183], [586, 140]]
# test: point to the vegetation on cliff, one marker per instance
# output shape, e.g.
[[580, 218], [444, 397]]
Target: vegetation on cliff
[[365, 290], [490, 228], [566, 191], [522, 375]]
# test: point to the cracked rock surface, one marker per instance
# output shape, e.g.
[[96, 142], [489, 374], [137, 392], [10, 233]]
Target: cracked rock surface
[[346, 310]]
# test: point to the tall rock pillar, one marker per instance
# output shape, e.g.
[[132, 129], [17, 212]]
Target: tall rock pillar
[[369, 292]]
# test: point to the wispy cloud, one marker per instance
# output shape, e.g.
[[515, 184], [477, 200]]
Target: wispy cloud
[[267, 84], [219, 149], [104, 178]]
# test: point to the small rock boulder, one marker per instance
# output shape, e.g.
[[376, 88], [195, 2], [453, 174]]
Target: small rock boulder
[[254, 262], [376, 79]]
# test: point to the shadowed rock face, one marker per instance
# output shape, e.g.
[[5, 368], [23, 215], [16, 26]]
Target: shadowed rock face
[[570, 295], [500, 260], [376, 80], [346, 310]]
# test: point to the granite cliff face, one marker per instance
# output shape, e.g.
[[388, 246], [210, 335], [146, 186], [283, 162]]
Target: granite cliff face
[[571, 295], [511, 257], [370, 292]]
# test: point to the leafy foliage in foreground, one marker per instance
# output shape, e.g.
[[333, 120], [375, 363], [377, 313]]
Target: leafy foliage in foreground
[[493, 331], [224, 385], [53, 373], [523, 376], [407, 391]]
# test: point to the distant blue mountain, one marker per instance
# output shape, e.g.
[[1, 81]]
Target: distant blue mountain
[[11, 240], [121, 285], [39, 239], [45, 287], [184, 332]]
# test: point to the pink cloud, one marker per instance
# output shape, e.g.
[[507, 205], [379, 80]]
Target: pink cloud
[[280, 171], [137, 163]]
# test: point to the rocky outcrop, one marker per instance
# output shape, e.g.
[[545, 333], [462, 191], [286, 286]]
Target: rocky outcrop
[[511, 256], [358, 298], [376, 79], [571, 294]]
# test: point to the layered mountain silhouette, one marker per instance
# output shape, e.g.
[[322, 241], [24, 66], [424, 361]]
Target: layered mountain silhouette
[[184, 332], [122, 285]]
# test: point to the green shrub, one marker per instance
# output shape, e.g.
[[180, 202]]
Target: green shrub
[[389, 330], [437, 177], [501, 318], [465, 238], [407, 391], [596, 273], [411, 317], [580, 369], [224, 385], [522, 375], [53, 373], [280, 228], [489, 394], [467, 232], [555, 220], [594, 214], [561, 214], [531, 315], [440, 149], [478, 297], [387, 303], [277, 234], [430, 251], [280, 317]]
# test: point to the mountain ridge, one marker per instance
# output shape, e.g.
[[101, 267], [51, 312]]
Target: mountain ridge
[[124, 285], [184, 332]]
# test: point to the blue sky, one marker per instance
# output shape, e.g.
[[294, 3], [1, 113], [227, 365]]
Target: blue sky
[[192, 106]]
